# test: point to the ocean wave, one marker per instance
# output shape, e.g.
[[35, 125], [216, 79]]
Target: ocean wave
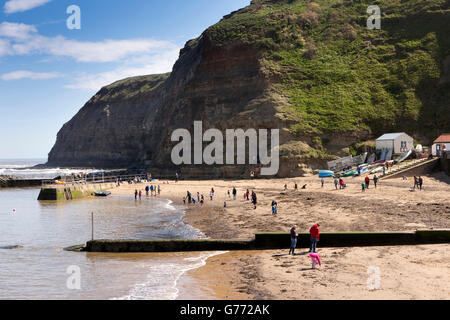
[[28, 173], [162, 281]]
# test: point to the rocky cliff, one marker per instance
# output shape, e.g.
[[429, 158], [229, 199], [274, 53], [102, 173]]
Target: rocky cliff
[[311, 69]]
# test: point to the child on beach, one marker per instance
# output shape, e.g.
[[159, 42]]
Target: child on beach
[[363, 187], [274, 207], [315, 257], [336, 183]]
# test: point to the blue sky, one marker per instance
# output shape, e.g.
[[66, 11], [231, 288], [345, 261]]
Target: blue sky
[[48, 72]]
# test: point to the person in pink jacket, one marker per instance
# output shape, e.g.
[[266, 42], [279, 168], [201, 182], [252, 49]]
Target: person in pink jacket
[[315, 259]]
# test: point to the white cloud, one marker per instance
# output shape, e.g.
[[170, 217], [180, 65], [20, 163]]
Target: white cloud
[[5, 47], [13, 6], [158, 63], [24, 74], [18, 31], [26, 40]]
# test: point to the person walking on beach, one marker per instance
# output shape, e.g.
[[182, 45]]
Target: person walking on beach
[[341, 183], [384, 170], [363, 187], [229, 194], [189, 197], [146, 190], [416, 183], [295, 186], [322, 181], [140, 194], [151, 190], [367, 180], [294, 236], [254, 199], [234, 193], [202, 200], [211, 195], [420, 182], [135, 194], [314, 234], [274, 207], [198, 196], [375, 181], [336, 183], [159, 189]]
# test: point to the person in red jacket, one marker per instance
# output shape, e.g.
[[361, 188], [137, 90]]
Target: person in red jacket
[[367, 181], [314, 233]]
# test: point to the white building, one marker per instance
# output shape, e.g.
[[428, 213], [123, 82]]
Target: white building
[[441, 144], [398, 142]]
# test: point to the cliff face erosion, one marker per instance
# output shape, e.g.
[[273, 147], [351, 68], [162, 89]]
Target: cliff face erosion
[[311, 69]]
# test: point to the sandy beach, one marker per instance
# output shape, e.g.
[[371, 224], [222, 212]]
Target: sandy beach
[[419, 272]]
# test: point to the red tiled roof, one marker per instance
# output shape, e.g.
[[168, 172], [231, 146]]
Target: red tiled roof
[[445, 137]]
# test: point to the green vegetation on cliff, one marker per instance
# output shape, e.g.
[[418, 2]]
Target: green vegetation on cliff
[[130, 87], [341, 77]]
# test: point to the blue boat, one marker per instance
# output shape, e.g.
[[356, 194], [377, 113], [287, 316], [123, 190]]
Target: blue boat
[[325, 173]]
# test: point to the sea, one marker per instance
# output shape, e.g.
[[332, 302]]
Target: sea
[[33, 235]]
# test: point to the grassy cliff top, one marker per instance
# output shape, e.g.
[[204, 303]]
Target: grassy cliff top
[[341, 77], [130, 87]]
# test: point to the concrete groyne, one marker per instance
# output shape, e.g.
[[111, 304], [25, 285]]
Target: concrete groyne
[[265, 241], [72, 191]]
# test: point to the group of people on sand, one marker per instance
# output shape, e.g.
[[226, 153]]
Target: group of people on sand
[[314, 233], [418, 182], [191, 199], [365, 185], [251, 197], [338, 183]]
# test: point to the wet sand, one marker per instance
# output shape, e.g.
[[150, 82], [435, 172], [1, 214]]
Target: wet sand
[[419, 272], [406, 272]]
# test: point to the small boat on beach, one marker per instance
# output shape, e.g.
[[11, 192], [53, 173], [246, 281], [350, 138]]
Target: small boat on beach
[[403, 157], [102, 193], [325, 173]]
